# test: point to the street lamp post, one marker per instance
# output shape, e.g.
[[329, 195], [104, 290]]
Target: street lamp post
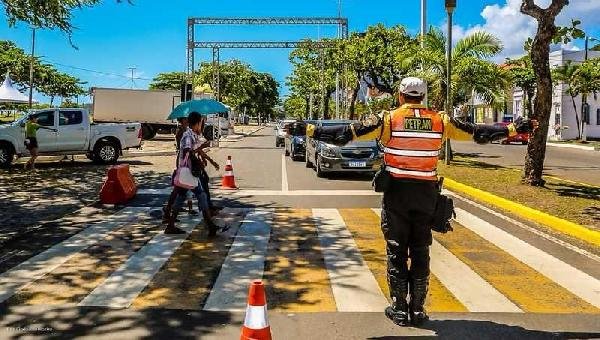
[[450, 6]]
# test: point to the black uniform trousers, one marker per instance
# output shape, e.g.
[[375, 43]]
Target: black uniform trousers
[[407, 209]]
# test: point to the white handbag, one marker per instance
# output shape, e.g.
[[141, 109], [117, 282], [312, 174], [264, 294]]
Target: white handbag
[[183, 176]]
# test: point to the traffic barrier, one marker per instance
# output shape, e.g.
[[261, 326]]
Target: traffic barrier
[[256, 324], [228, 181], [119, 186]]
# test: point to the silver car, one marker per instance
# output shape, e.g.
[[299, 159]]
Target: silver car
[[360, 157]]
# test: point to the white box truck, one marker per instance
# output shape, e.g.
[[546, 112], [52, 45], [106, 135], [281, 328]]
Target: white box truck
[[148, 107]]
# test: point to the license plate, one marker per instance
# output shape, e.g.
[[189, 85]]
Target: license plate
[[358, 164]]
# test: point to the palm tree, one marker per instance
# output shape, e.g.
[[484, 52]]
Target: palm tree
[[472, 71], [565, 74]]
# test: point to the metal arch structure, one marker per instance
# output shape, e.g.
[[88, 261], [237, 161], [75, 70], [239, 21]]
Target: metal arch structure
[[192, 44], [260, 44]]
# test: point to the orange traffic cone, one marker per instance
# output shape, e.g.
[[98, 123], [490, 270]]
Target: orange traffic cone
[[256, 325], [228, 181]]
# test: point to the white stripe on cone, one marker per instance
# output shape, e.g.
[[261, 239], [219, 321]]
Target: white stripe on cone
[[256, 317], [228, 173]]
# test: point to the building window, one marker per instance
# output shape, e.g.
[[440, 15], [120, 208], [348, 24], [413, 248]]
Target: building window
[[597, 116]]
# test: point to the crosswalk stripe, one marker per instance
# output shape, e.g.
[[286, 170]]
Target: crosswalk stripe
[[244, 263], [577, 282], [185, 281], [354, 287], [27, 272], [469, 288], [127, 282]]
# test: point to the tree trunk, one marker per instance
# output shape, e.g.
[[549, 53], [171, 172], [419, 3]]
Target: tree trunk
[[353, 102], [307, 107], [540, 57], [576, 118]]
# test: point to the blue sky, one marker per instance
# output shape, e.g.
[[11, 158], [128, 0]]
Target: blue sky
[[151, 35]]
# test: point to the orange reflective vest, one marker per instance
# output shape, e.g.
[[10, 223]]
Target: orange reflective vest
[[415, 142]]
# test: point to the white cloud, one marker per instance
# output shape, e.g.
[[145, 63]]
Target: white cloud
[[512, 27]]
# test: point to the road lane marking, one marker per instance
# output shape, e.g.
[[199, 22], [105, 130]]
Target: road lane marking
[[295, 277], [476, 294], [242, 193], [354, 287], [22, 275], [126, 283], [468, 287], [72, 281], [244, 263], [284, 178], [526, 227], [574, 280]]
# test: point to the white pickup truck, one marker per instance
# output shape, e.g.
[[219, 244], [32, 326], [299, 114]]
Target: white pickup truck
[[73, 134]]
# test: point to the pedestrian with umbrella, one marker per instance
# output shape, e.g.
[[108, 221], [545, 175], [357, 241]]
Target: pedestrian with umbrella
[[187, 110]]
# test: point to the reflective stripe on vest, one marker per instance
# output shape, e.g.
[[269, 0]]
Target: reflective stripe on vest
[[411, 173], [415, 143], [412, 153], [408, 134]]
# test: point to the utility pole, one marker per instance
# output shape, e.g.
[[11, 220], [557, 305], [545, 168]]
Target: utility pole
[[450, 6], [31, 67], [423, 32], [132, 69], [584, 105], [337, 73]]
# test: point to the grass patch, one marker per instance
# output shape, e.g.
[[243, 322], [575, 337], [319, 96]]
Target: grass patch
[[570, 201]]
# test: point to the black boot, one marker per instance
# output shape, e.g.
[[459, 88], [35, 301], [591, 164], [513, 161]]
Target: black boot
[[398, 311], [171, 228], [418, 292]]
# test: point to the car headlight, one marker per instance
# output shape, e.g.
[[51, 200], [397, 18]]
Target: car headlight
[[329, 151]]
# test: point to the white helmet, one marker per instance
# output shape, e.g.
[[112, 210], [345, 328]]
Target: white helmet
[[413, 86]]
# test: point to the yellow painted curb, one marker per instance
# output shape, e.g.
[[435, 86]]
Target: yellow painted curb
[[569, 228]]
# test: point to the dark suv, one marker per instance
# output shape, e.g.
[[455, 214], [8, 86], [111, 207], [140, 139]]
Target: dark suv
[[363, 157]]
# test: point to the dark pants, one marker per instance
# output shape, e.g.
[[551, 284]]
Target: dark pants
[[407, 210], [204, 180]]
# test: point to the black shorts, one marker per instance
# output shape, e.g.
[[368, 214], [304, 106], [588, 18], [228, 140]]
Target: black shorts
[[31, 143]]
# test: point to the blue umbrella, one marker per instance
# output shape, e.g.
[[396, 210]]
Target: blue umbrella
[[204, 107]]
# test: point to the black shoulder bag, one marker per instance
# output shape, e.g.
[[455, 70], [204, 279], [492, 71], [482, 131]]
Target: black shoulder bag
[[444, 212]]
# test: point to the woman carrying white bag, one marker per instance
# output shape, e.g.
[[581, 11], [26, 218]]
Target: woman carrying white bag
[[191, 144]]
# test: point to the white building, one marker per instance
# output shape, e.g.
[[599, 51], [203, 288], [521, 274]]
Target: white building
[[563, 124]]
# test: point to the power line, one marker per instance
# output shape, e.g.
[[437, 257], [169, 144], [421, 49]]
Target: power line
[[95, 71]]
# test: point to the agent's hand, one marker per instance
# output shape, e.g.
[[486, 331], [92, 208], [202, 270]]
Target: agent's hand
[[217, 167]]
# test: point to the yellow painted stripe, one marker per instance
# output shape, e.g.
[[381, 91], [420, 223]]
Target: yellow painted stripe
[[185, 280], [72, 281], [364, 224], [521, 284], [569, 228], [295, 274]]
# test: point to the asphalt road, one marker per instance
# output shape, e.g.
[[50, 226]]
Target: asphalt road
[[317, 246], [572, 164]]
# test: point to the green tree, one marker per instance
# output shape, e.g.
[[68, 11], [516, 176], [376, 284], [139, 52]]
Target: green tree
[[168, 81], [472, 71], [45, 14], [524, 77]]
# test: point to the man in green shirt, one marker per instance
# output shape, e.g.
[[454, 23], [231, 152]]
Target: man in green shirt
[[31, 143]]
